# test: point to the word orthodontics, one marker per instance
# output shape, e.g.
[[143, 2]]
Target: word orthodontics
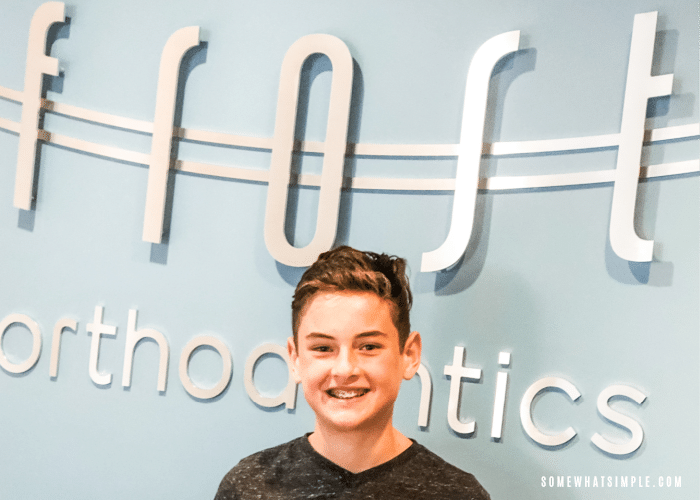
[[456, 372]]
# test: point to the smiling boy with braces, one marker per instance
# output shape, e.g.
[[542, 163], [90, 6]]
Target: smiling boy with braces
[[351, 349]]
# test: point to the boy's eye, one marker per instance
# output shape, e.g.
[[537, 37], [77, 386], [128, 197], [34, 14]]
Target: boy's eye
[[370, 347], [321, 348]]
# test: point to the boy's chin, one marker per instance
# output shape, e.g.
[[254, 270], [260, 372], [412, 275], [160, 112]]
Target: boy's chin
[[346, 426], [350, 421]]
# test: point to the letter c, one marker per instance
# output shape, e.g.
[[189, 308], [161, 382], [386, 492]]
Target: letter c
[[526, 411]]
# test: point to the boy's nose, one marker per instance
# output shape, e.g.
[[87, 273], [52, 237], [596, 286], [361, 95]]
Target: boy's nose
[[345, 364]]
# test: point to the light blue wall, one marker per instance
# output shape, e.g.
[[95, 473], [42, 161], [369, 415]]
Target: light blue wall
[[540, 281]]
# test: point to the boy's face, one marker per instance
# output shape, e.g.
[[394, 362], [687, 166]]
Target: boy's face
[[348, 359]]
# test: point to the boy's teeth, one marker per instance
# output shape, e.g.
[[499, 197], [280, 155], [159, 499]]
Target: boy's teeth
[[346, 394]]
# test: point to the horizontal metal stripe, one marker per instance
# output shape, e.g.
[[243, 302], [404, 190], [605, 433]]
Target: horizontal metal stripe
[[676, 132], [247, 174], [93, 148], [9, 125], [11, 95], [499, 183], [97, 117], [389, 184], [495, 149], [224, 139]]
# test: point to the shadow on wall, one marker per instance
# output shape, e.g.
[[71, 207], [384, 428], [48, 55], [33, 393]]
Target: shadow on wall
[[678, 104], [349, 169], [504, 74]]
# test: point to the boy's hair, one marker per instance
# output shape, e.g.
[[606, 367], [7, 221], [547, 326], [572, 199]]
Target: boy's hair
[[346, 269]]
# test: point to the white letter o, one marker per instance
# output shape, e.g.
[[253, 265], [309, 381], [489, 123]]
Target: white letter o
[[223, 351], [36, 343]]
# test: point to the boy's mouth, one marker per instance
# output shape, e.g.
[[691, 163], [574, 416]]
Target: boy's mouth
[[346, 393]]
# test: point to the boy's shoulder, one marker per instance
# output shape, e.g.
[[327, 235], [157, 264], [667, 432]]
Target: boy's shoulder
[[286, 455], [274, 467]]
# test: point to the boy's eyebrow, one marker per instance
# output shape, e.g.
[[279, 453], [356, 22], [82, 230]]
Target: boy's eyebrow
[[371, 334], [318, 335]]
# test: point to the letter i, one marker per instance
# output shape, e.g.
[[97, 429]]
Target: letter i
[[499, 402]]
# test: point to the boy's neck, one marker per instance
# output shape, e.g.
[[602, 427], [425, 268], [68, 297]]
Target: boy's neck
[[358, 451]]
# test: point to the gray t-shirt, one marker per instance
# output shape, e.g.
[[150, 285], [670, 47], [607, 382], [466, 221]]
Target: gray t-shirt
[[295, 470]]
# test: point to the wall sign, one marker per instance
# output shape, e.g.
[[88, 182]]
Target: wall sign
[[640, 86], [545, 351]]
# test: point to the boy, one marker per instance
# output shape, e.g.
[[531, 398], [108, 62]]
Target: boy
[[351, 349]]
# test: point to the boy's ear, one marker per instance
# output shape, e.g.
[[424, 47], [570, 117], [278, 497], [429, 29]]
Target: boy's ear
[[294, 359], [411, 353]]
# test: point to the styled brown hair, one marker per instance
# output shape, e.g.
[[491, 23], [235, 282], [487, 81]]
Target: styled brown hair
[[347, 269]]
